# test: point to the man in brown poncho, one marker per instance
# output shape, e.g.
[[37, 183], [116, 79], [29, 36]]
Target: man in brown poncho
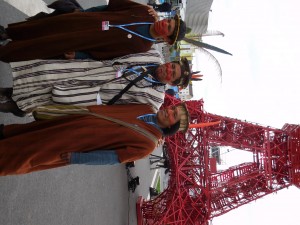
[[123, 28], [96, 135]]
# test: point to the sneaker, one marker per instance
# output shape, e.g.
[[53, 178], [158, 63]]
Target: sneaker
[[14, 109]]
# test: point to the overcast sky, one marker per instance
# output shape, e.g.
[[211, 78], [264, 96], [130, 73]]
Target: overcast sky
[[261, 79], [260, 83]]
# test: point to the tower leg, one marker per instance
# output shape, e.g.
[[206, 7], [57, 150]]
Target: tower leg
[[139, 215]]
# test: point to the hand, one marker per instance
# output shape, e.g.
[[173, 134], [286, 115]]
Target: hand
[[66, 156], [160, 142], [153, 13], [69, 55]]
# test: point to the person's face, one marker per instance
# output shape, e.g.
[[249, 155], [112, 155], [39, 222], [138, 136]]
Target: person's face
[[164, 28], [169, 73], [168, 116]]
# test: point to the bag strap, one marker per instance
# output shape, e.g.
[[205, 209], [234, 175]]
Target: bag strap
[[133, 82], [125, 124], [63, 110]]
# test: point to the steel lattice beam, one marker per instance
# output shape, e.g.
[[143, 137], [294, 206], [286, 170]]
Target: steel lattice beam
[[196, 194]]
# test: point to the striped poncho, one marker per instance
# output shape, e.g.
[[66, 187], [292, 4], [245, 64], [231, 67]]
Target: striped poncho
[[77, 82]]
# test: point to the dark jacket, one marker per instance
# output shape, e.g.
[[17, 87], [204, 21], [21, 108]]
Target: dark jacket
[[51, 37], [60, 7], [42, 145]]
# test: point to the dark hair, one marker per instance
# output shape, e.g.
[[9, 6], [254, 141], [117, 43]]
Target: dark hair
[[172, 130], [179, 30], [186, 73]]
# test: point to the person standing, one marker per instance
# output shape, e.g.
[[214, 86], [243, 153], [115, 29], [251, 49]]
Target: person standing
[[88, 82], [124, 27], [95, 135]]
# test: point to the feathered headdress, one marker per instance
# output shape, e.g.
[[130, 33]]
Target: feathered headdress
[[196, 76], [187, 75]]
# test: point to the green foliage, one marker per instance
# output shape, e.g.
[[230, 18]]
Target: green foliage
[[158, 185]]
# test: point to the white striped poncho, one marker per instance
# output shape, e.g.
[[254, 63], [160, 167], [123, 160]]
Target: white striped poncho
[[76, 82]]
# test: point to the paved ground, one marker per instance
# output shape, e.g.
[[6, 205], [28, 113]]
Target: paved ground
[[74, 195]]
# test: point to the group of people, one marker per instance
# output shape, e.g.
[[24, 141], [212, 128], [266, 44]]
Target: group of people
[[94, 84]]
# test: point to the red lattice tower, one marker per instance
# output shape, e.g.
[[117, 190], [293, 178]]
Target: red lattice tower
[[196, 192]]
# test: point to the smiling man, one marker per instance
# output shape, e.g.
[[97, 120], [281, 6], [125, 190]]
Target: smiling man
[[138, 84], [92, 82], [170, 73], [96, 135], [124, 27]]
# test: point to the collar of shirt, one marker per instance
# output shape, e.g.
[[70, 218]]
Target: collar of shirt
[[144, 30], [140, 69], [150, 119]]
